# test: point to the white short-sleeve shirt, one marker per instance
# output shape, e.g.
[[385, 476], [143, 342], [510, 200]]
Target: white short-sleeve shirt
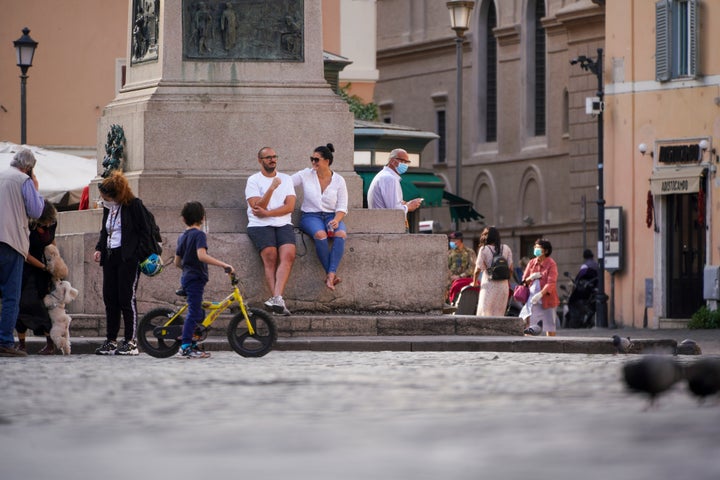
[[256, 186]]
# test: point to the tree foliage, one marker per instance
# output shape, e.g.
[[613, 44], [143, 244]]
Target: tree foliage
[[362, 111]]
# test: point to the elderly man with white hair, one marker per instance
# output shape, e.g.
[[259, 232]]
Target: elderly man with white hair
[[20, 200], [385, 190]]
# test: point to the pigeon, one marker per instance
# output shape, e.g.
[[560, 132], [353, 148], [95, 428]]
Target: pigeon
[[533, 330], [688, 347], [703, 377], [622, 345], [652, 375]]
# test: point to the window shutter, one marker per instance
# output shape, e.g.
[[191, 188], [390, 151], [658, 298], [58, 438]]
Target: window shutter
[[662, 41], [694, 31]]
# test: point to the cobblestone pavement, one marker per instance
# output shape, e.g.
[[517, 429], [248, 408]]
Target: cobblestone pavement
[[346, 415]]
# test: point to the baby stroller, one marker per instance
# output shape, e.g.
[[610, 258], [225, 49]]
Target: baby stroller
[[463, 296]]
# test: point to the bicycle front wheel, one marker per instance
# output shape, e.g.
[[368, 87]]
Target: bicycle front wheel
[[258, 344], [155, 337]]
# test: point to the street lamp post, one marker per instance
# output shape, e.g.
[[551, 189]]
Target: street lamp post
[[25, 50], [596, 67], [459, 21]]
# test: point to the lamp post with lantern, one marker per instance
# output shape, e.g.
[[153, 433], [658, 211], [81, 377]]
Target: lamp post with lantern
[[459, 21], [25, 50]]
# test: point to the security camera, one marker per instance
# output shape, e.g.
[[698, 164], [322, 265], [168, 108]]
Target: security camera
[[594, 106], [643, 148]]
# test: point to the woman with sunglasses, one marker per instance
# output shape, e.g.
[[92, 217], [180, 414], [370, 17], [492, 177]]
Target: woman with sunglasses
[[325, 204]]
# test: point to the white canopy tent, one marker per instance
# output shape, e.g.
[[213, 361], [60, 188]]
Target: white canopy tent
[[61, 177]]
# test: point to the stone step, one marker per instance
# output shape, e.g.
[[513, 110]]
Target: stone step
[[88, 325], [674, 323]]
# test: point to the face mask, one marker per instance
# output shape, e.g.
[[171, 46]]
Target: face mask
[[453, 245], [537, 252], [402, 168], [109, 203]]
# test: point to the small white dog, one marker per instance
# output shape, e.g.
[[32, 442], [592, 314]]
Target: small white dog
[[55, 264], [55, 301]]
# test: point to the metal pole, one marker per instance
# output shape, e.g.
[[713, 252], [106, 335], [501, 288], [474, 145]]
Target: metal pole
[[611, 318], [458, 120], [601, 314], [23, 109]]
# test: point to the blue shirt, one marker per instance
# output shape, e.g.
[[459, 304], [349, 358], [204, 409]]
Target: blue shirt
[[188, 244], [34, 202]]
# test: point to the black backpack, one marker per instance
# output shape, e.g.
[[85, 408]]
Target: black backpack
[[499, 268], [152, 243]]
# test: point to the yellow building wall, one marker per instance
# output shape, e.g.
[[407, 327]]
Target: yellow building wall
[[641, 110]]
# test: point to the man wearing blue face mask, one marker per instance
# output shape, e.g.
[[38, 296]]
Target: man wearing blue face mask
[[385, 190], [461, 265]]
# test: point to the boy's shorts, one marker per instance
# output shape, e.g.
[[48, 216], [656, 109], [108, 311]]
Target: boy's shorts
[[263, 237]]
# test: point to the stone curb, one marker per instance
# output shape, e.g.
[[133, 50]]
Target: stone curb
[[442, 343]]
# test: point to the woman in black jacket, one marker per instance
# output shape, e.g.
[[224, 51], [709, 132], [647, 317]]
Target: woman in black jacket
[[119, 253]]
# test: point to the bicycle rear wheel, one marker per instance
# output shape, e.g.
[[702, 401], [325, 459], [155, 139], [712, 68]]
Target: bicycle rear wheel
[[155, 338], [255, 345]]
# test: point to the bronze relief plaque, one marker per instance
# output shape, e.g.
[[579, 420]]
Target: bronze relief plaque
[[245, 30], [144, 31]]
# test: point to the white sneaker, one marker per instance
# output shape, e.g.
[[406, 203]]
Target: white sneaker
[[270, 302], [279, 306]]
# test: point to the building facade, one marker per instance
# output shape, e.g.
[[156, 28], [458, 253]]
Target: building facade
[[662, 116], [529, 151]]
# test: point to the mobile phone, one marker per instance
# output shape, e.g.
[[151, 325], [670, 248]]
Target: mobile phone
[[30, 173]]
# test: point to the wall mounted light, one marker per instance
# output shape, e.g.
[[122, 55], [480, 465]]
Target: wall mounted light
[[704, 146], [643, 148]]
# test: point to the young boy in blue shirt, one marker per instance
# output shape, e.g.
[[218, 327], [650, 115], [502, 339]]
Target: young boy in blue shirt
[[191, 255]]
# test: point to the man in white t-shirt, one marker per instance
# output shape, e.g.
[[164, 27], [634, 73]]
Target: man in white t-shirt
[[271, 200], [385, 190]]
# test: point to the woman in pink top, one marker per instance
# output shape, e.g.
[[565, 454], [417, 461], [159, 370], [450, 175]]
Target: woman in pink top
[[541, 277]]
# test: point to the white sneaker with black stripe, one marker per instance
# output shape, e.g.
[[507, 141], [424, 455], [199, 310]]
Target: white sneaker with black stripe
[[107, 348]]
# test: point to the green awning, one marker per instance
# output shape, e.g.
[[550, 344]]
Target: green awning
[[461, 209], [415, 184], [418, 183]]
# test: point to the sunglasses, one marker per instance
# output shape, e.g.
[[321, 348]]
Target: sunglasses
[[269, 157], [314, 159]]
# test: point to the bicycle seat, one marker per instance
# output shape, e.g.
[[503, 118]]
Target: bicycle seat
[[180, 292]]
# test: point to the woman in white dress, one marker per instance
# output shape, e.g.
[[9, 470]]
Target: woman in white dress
[[494, 294]]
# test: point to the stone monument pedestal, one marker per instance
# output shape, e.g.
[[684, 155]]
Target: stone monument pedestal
[[194, 120]]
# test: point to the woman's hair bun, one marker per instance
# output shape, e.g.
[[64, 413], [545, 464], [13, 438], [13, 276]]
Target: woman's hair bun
[[330, 147]]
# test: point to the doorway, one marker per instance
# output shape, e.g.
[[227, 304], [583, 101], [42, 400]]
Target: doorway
[[685, 255]]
